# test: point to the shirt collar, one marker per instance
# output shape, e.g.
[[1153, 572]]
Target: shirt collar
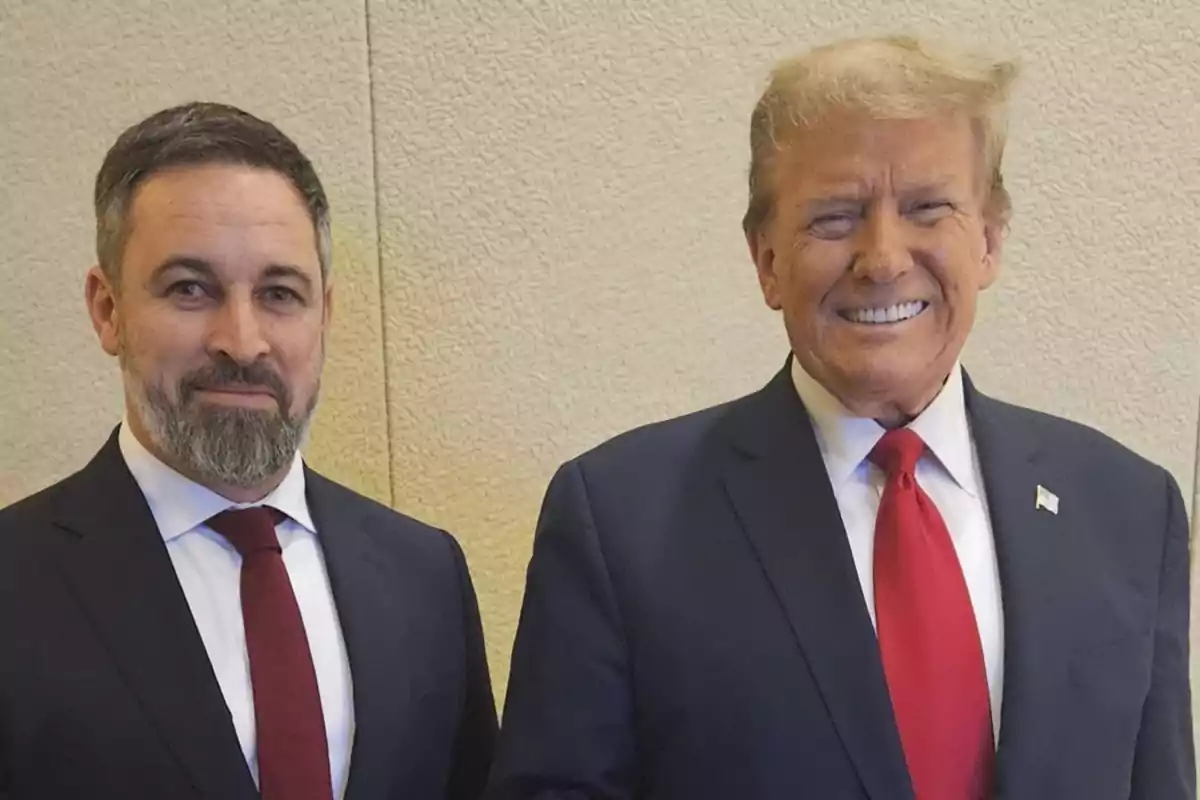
[[179, 504], [846, 440]]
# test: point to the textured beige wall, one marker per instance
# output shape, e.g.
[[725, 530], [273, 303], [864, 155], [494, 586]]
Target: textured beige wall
[[560, 189]]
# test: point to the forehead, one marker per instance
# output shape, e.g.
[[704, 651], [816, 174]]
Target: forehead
[[237, 218], [854, 152]]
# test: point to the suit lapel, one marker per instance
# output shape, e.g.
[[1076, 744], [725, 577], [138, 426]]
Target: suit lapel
[[372, 607], [780, 490], [1042, 585], [117, 565]]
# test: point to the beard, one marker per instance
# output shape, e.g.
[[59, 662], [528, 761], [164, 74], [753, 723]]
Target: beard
[[217, 445]]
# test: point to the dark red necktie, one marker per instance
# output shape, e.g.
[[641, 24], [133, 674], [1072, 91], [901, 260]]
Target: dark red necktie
[[293, 755], [928, 638]]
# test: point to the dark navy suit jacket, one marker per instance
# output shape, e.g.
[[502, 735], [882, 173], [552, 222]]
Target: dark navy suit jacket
[[106, 691], [694, 628]]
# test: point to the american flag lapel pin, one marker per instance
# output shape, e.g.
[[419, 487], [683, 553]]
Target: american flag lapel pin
[[1046, 499]]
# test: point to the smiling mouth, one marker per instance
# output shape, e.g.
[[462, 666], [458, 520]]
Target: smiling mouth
[[884, 315]]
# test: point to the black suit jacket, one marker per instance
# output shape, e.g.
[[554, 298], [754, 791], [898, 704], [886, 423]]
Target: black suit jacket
[[694, 628], [106, 690]]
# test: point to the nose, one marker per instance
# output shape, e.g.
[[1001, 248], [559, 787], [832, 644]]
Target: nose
[[237, 329], [883, 255]]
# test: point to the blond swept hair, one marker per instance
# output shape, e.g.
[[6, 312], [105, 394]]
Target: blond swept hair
[[886, 77]]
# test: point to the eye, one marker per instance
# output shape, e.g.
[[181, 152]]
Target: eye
[[282, 295], [188, 290], [930, 211], [833, 226]]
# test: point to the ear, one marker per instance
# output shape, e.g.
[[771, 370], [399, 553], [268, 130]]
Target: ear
[[101, 299], [993, 235], [763, 255], [327, 308]]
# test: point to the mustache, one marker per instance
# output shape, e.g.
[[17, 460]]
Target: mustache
[[229, 374]]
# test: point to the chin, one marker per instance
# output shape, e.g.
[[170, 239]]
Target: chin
[[886, 366], [235, 409], [873, 383]]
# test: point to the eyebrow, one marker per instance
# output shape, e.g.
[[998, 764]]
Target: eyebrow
[[205, 269], [836, 199], [937, 186], [289, 271], [189, 263], [848, 196]]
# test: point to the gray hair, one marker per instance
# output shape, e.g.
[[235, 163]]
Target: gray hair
[[195, 134]]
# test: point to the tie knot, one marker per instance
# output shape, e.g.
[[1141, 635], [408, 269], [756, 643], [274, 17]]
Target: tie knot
[[250, 530], [898, 451]]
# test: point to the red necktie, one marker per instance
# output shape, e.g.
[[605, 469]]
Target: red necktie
[[293, 756], [928, 639]]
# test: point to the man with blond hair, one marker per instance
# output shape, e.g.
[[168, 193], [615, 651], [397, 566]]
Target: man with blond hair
[[868, 579]]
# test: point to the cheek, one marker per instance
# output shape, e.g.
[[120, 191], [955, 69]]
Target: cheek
[[149, 342], [302, 357], [957, 267], [957, 312], [164, 351], [812, 274]]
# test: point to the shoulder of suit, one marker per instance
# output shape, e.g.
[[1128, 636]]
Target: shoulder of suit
[[37, 507], [25, 524], [378, 513], [1076, 441], [655, 444]]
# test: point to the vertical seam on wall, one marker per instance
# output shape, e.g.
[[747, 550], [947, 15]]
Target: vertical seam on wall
[[1196, 480], [383, 317]]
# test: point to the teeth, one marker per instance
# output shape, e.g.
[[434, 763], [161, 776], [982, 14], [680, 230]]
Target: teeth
[[894, 313]]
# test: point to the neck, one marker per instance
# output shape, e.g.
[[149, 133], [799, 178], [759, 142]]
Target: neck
[[891, 412], [242, 494], [896, 419], [237, 494]]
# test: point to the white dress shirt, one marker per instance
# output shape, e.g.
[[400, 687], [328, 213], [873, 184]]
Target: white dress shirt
[[950, 477], [209, 570]]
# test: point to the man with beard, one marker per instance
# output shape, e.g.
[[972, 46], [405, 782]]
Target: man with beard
[[196, 614]]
